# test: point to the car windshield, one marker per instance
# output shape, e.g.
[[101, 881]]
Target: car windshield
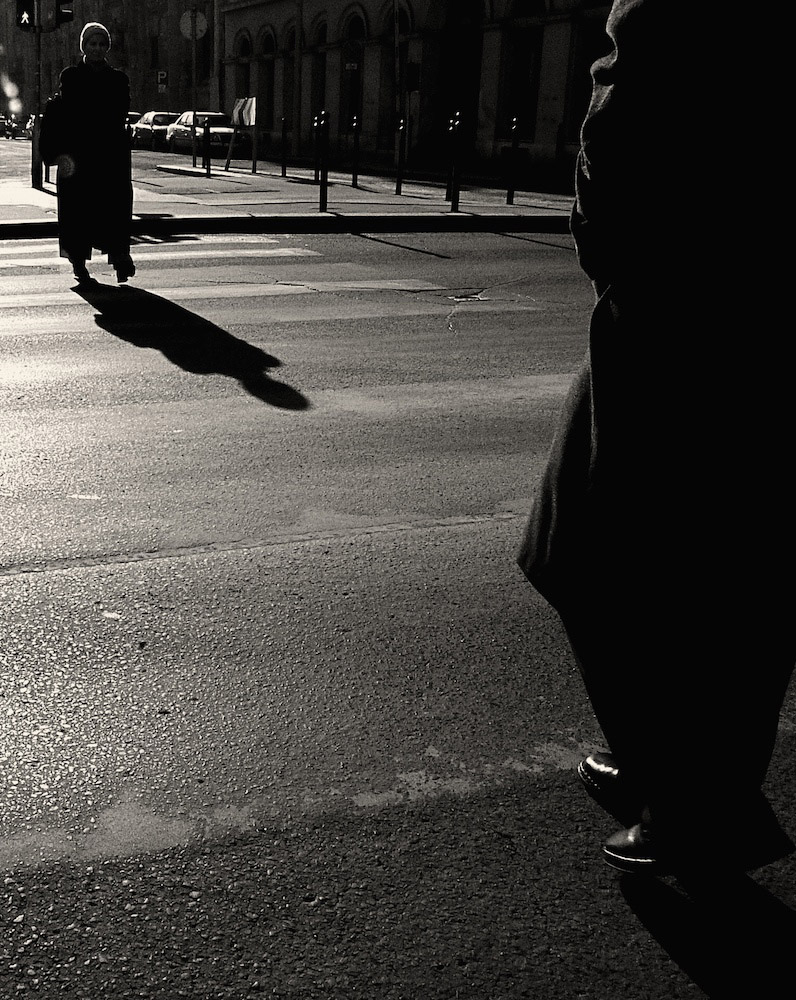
[[214, 119], [164, 119]]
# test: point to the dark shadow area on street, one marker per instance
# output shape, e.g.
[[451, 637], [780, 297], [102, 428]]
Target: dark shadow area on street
[[542, 243], [729, 935], [402, 246], [190, 342]]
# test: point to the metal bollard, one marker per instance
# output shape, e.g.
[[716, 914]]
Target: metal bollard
[[206, 147], [316, 153], [323, 139], [515, 139], [453, 175], [399, 176], [284, 147], [35, 157], [355, 164]]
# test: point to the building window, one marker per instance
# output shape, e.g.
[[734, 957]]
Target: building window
[[352, 55], [265, 93], [318, 93], [289, 77], [243, 54], [519, 81]]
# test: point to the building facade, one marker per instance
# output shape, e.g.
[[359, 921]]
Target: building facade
[[501, 69], [505, 70], [148, 43]]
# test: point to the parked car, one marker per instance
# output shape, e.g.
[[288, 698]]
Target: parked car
[[149, 132], [178, 134], [132, 117], [10, 127]]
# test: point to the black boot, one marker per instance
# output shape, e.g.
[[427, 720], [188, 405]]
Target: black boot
[[81, 272], [124, 269]]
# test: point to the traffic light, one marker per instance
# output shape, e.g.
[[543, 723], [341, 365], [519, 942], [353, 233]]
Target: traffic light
[[26, 15], [64, 11]]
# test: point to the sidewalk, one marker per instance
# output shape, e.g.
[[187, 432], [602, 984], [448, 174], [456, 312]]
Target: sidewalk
[[171, 196]]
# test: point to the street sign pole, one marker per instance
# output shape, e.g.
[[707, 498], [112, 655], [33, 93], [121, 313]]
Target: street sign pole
[[35, 158], [193, 82], [193, 25]]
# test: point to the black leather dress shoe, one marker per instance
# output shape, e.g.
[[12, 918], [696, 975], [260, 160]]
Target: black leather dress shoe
[[700, 850], [603, 781], [634, 850]]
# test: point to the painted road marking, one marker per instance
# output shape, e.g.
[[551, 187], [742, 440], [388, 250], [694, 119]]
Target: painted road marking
[[237, 291], [158, 254]]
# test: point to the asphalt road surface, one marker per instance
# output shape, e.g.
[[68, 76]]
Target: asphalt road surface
[[278, 714]]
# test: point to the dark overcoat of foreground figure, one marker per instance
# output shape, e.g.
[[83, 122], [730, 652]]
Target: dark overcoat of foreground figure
[[90, 146], [663, 529]]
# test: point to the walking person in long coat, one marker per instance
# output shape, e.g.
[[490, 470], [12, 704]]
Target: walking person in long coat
[[92, 151], [663, 529]]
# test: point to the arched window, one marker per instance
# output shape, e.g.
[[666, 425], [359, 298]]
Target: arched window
[[393, 89], [318, 93], [520, 71], [265, 80], [460, 65], [242, 51], [289, 77], [352, 54]]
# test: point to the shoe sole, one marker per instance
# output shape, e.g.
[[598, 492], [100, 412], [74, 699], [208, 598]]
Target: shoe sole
[[635, 866]]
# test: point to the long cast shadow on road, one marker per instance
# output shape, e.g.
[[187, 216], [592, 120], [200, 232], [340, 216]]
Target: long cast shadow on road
[[190, 342], [731, 937]]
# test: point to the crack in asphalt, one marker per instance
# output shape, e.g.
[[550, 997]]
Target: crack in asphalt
[[247, 544]]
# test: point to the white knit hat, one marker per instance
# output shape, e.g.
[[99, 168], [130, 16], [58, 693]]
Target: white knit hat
[[93, 28]]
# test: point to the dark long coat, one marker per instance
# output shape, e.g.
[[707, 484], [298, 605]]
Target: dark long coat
[[663, 528], [95, 204]]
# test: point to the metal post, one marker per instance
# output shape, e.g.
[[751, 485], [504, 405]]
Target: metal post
[[35, 158], [452, 193], [323, 128], [355, 165], [316, 152], [512, 180], [193, 83], [284, 146], [206, 145], [399, 176]]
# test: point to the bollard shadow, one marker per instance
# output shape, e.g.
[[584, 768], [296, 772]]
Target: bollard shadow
[[188, 341], [730, 936]]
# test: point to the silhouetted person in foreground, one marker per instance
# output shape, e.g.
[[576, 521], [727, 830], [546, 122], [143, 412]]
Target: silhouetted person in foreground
[[663, 529], [85, 135]]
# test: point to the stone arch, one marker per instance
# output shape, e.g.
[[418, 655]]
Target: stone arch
[[354, 33], [392, 92], [459, 83], [319, 37], [243, 52], [266, 77]]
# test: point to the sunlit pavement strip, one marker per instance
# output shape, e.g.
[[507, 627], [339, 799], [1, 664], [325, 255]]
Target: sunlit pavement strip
[[131, 826], [157, 254], [237, 291]]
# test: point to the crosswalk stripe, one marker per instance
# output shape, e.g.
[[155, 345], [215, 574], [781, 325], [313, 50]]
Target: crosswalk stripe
[[247, 290], [39, 245], [8, 263]]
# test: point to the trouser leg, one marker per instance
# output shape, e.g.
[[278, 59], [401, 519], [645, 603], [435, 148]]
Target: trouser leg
[[691, 718]]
